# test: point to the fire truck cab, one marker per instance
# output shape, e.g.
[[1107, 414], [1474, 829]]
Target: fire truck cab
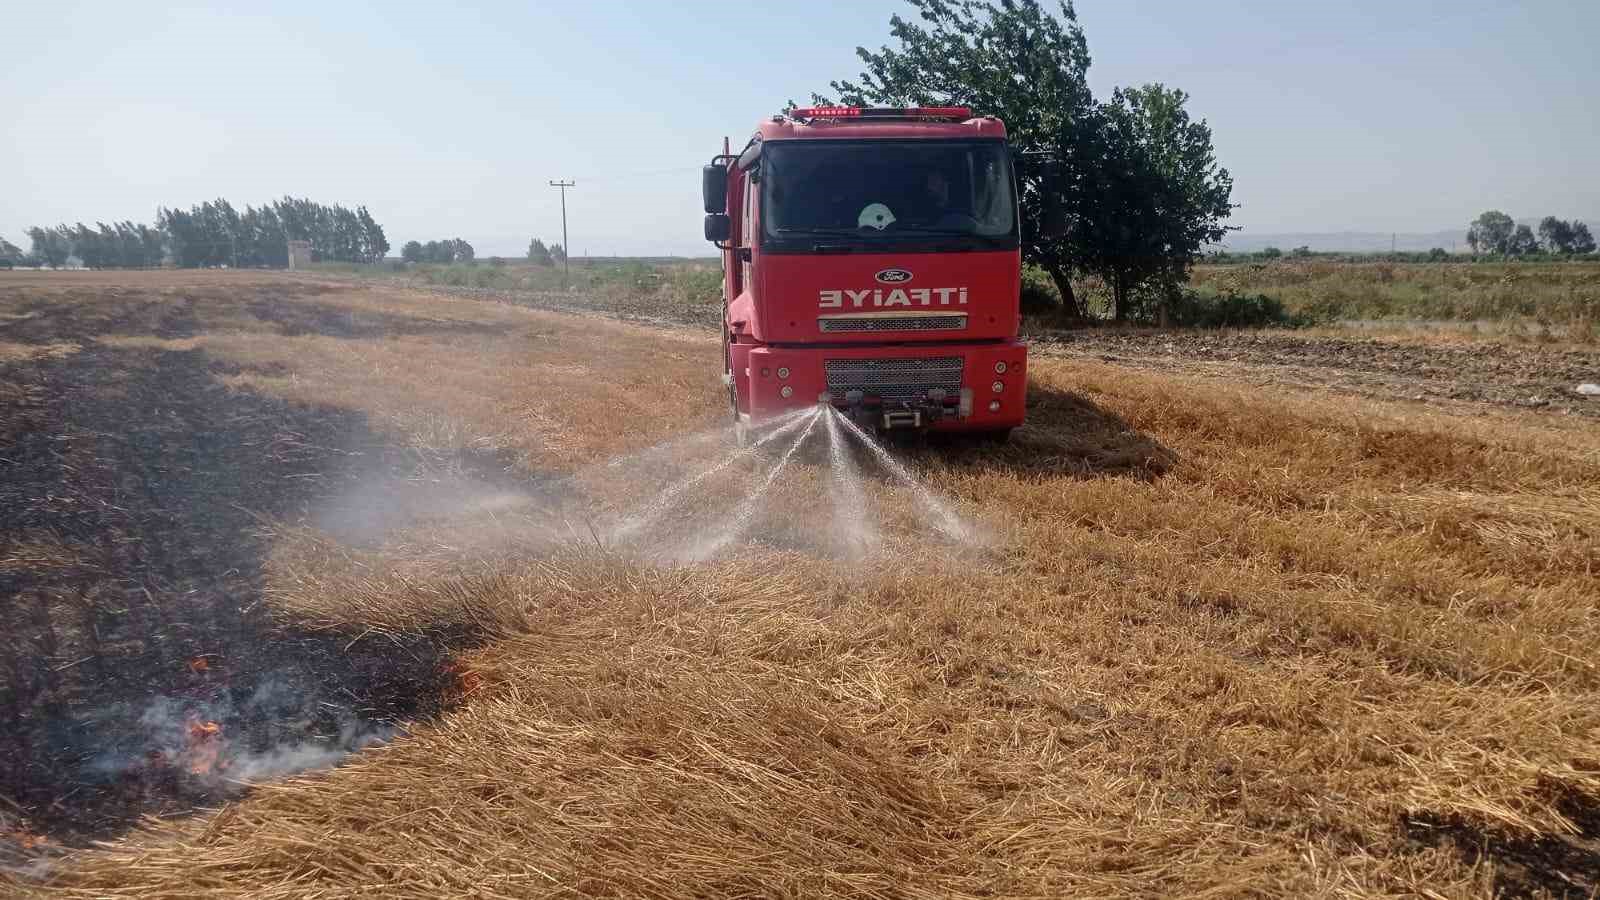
[[871, 261]]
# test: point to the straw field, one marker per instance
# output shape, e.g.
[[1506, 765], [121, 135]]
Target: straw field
[[1219, 639]]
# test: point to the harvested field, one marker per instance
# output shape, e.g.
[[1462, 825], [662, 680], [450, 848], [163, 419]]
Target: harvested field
[[1227, 635]]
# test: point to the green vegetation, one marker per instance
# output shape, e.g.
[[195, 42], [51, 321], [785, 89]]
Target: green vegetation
[[1188, 307], [1552, 298], [1559, 295]]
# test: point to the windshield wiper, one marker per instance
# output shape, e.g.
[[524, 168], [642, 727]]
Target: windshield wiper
[[986, 239], [806, 229]]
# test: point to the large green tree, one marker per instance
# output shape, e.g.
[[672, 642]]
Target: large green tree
[[1555, 235], [1012, 59], [1491, 232], [1582, 240], [1522, 242], [1139, 155], [1157, 196]]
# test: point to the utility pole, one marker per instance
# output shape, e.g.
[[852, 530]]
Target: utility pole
[[566, 248]]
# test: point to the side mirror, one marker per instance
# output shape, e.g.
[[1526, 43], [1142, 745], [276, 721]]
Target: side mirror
[[718, 227], [714, 188], [1054, 222]]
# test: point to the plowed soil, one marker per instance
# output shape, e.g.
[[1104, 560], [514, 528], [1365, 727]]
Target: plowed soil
[[1527, 376]]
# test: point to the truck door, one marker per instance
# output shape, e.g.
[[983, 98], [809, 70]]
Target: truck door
[[747, 219], [741, 311]]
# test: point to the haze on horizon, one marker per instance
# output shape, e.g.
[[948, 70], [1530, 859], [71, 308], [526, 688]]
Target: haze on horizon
[[1366, 116]]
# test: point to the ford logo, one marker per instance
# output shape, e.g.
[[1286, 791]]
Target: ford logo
[[893, 276]]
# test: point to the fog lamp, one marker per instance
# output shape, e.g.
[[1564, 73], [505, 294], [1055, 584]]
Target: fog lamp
[[994, 406], [787, 392], [998, 386]]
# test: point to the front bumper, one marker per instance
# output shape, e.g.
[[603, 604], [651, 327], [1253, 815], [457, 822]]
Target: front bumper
[[933, 386]]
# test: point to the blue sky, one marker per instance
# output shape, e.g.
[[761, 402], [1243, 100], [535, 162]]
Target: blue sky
[[448, 121]]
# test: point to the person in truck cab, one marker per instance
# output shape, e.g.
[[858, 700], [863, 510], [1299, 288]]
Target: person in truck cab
[[936, 193], [938, 210]]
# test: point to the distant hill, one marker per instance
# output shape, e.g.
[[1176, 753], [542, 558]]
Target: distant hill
[[1364, 241]]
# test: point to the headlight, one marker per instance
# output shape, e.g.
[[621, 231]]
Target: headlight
[[787, 392], [998, 386], [1000, 368], [783, 371]]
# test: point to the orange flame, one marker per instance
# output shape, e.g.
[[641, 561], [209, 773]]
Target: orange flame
[[26, 840], [467, 680], [205, 746], [198, 665]]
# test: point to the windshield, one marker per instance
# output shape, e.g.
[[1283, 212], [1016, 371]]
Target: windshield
[[886, 192]]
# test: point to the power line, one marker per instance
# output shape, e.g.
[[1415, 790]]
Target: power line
[[631, 175], [566, 246]]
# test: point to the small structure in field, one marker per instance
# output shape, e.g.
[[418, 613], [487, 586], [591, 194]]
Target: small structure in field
[[299, 255]]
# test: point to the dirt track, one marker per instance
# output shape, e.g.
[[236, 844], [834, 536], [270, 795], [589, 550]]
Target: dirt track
[[1523, 376], [1528, 377]]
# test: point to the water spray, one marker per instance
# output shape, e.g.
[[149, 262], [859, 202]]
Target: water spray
[[713, 513], [849, 505], [664, 501], [747, 510], [946, 519]]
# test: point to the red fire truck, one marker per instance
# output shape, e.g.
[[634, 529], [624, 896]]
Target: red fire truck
[[871, 261]]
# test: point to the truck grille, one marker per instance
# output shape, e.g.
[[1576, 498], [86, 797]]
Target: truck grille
[[893, 323], [894, 379]]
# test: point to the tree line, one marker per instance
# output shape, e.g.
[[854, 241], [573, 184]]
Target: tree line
[[447, 251], [1138, 177], [541, 255], [1494, 232], [123, 244], [214, 233]]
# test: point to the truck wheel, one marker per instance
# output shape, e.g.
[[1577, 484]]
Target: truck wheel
[[741, 428]]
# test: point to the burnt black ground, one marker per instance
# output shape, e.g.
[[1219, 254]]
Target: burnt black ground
[[134, 491]]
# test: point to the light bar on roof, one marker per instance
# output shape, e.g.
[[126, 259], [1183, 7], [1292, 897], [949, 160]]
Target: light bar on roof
[[940, 112], [826, 112], [857, 112]]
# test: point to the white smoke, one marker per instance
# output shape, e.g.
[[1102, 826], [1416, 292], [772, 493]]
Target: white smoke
[[280, 730]]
